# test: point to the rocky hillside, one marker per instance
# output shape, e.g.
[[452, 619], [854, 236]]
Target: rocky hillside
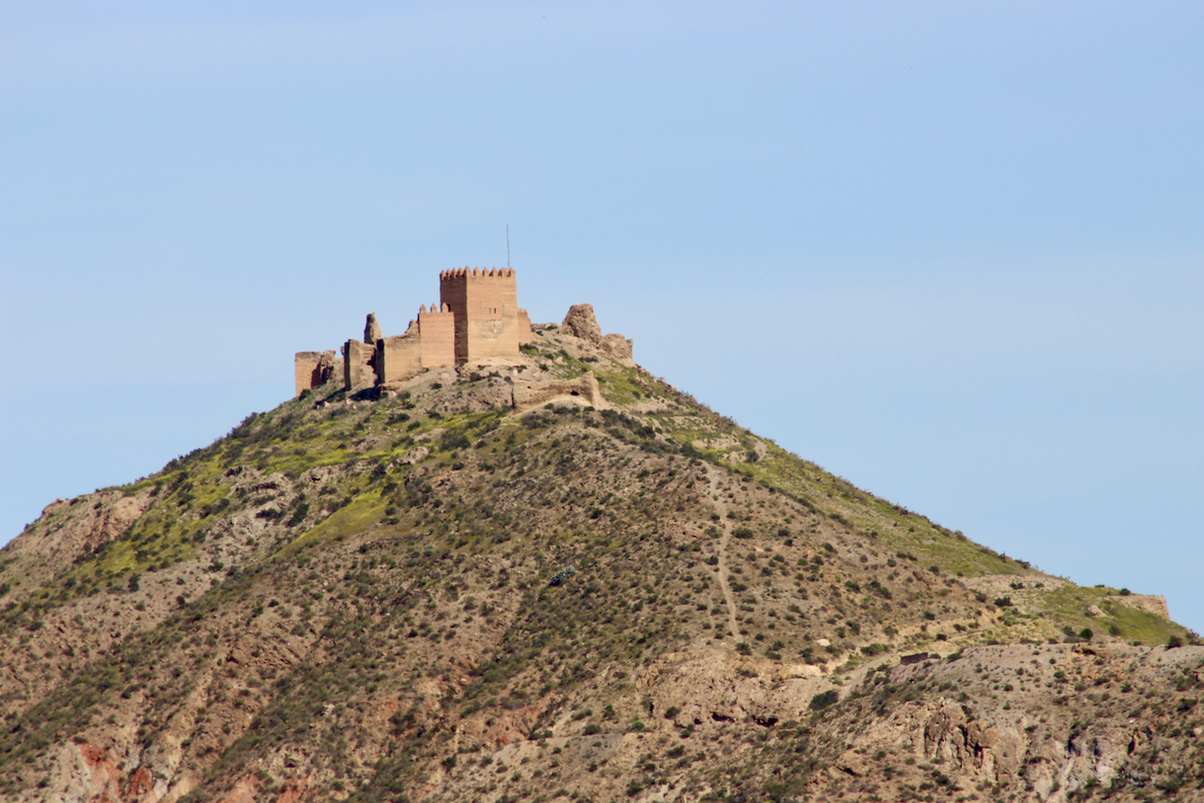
[[561, 580]]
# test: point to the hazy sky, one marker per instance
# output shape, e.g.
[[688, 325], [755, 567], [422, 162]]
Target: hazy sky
[[952, 252]]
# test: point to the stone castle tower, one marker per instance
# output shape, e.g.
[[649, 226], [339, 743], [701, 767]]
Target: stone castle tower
[[485, 306], [478, 318]]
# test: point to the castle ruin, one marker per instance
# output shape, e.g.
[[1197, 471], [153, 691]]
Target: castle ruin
[[477, 319]]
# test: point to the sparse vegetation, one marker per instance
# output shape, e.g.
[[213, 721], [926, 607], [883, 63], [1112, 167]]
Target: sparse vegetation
[[429, 590]]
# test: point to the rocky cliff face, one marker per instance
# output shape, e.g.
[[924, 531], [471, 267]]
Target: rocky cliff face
[[559, 580]]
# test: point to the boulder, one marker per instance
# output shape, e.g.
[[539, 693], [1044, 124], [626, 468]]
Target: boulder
[[617, 346]]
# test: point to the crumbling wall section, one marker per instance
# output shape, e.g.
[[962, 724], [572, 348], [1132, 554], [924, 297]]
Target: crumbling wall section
[[359, 366], [581, 323], [525, 338], [305, 370], [399, 357], [313, 369], [583, 390]]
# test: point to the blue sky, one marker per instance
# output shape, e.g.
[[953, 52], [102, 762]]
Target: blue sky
[[951, 252]]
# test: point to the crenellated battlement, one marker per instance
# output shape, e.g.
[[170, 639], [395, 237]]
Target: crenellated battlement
[[477, 273], [484, 302], [477, 317]]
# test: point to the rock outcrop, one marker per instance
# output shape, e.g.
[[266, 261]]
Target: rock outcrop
[[581, 323], [617, 346], [531, 394], [372, 330]]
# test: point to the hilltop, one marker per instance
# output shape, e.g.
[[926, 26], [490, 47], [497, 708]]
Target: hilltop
[[556, 577]]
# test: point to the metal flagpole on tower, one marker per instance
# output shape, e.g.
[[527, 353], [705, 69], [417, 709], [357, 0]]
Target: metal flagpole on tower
[[507, 246]]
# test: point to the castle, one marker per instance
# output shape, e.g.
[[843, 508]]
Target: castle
[[477, 318]]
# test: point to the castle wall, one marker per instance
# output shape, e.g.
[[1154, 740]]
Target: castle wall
[[312, 369], [485, 305], [305, 370], [398, 357], [527, 395], [359, 365], [478, 318], [438, 332], [524, 328]]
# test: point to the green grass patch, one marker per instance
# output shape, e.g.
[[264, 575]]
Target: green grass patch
[[365, 510], [1066, 607]]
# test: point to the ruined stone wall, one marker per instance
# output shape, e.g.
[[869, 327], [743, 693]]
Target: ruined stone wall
[[305, 370], [478, 318], [437, 328], [527, 395], [485, 305], [359, 365], [312, 369], [525, 337], [581, 323], [399, 357]]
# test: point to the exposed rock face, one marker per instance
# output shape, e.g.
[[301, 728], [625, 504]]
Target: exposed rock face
[[70, 529], [372, 331], [1150, 603], [617, 346], [584, 390], [580, 322]]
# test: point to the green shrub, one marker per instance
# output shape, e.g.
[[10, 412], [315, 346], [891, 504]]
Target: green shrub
[[824, 699], [559, 577], [452, 441], [299, 514]]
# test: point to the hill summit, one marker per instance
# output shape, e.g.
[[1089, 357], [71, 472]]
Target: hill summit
[[524, 569]]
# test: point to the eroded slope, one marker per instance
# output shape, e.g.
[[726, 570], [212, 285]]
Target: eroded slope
[[429, 596]]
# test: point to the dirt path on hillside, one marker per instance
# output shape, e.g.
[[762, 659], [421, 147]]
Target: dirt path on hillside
[[721, 509]]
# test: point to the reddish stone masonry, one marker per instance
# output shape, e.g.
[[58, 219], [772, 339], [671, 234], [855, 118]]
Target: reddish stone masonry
[[477, 318]]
